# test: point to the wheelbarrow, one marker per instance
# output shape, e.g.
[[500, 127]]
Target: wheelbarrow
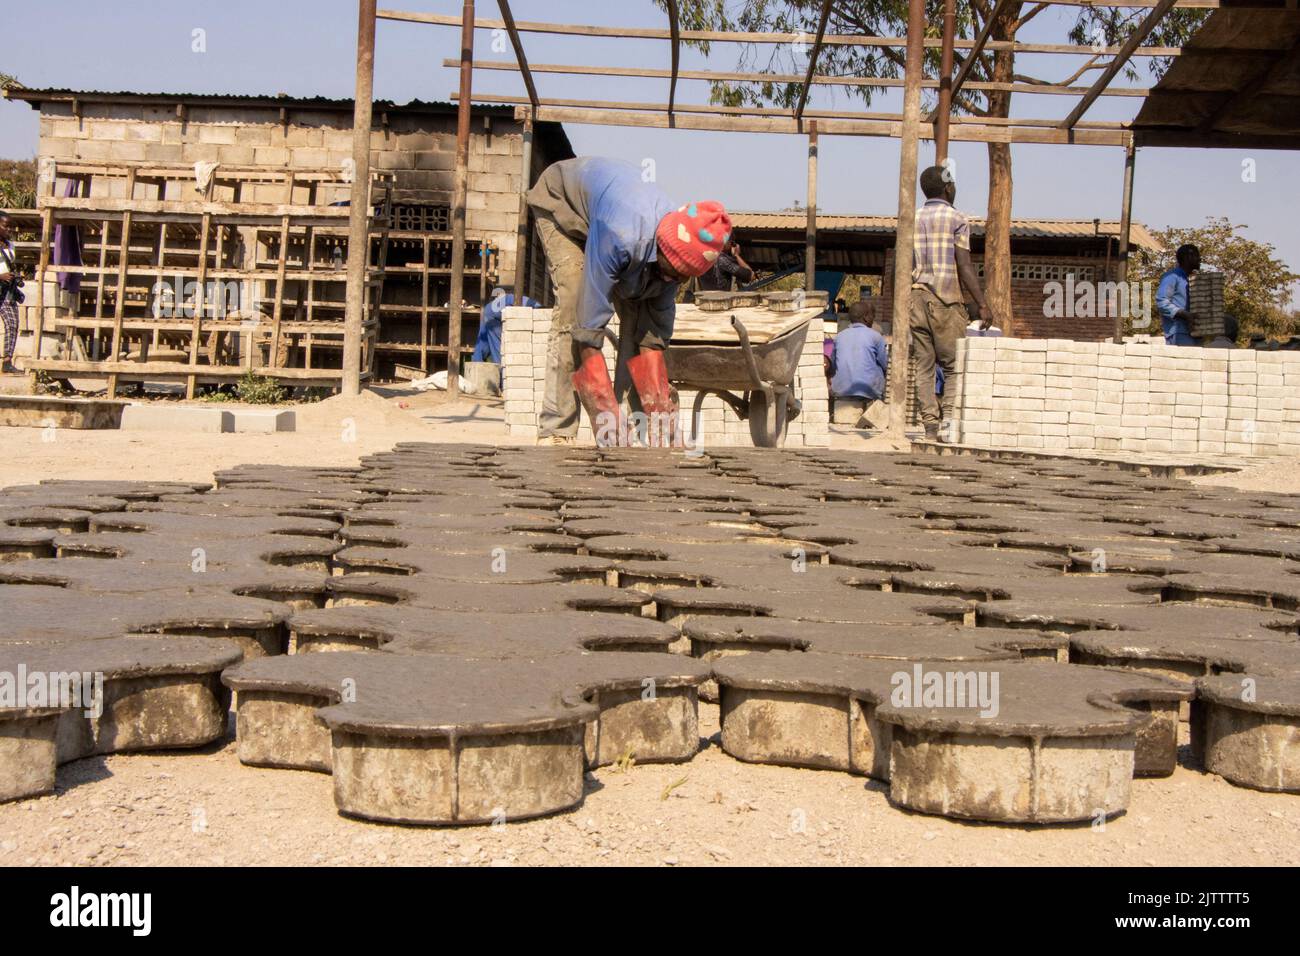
[[755, 379]]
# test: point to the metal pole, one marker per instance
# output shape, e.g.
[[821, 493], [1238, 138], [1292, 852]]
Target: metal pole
[[810, 236], [945, 83], [521, 236], [463, 108], [359, 209], [1125, 221], [911, 134]]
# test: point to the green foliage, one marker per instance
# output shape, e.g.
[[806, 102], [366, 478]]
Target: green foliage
[[1256, 283], [257, 389], [889, 18], [17, 183], [1112, 26]]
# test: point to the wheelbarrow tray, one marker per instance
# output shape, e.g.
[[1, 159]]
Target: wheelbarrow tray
[[722, 365]]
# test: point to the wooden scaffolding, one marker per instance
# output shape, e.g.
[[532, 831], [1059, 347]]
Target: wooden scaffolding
[[246, 271]]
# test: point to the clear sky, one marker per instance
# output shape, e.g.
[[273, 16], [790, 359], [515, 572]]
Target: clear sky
[[307, 47]]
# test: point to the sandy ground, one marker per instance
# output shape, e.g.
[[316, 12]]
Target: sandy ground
[[336, 431], [202, 808]]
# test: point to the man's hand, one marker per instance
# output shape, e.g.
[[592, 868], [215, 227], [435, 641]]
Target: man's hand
[[986, 316]]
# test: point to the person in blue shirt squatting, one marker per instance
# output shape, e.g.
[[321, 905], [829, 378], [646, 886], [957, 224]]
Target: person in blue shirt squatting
[[1171, 297], [487, 347], [858, 362], [615, 243]]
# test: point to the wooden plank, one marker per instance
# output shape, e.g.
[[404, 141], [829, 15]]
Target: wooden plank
[[424, 309], [901, 345], [123, 256], [181, 370], [154, 207], [508, 20], [831, 39], [812, 60], [712, 110], [460, 196], [959, 132], [42, 265], [713, 76], [675, 45], [695, 326], [196, 330]]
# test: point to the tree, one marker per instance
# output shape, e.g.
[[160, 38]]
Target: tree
[[889, 18], [17, 183], [1256, 283]]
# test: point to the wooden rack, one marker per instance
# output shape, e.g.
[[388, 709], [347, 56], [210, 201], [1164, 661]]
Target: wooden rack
[[248, 273]]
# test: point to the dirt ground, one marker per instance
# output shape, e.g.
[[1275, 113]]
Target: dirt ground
[[204, 808]]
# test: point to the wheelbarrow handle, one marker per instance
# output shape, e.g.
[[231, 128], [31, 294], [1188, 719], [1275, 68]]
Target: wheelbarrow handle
[[751, 365]]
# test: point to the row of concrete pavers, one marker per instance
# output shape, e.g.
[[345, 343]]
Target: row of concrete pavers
[[440, 739]]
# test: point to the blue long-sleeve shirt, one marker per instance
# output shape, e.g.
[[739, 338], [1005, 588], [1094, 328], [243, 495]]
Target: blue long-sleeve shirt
[[607, 205], [1171, 297], [860, 358], [487, 348]]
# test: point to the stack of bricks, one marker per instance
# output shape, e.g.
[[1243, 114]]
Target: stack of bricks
[[1140, 397], [1082, 381], [523, 355]]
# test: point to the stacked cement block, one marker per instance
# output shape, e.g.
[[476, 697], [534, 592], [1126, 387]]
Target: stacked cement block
[[523, 354], [1141, 397]]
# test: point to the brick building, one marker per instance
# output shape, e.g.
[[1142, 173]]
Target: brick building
[[143, 148], [1042, 251]]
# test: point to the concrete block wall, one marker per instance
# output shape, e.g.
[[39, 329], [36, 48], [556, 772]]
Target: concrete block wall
[[1061, 395], [418, 147], [523, 355]]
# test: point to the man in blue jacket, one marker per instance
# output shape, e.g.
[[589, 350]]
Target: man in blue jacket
[[1171, 297], [614, 243], [487, 347]]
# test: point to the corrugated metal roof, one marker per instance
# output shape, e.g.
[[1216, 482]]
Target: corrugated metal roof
[[38, 96], [558, 138], [1235, 84], [1139, 235]]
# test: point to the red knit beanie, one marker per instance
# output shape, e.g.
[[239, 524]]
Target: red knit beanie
[[692, 237]]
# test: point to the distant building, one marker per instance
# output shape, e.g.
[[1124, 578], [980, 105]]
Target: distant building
[[1043, 251]]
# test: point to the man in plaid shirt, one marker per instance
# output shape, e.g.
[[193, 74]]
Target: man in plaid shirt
[[941, 268]]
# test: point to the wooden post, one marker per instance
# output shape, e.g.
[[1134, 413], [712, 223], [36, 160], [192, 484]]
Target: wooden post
[[463, 109], [42, 264], [902, 343], [359, 213], [810, 235], [521, 234], [119, 307], [200, 302], [424, 308], [1125, 221], [944, 111]]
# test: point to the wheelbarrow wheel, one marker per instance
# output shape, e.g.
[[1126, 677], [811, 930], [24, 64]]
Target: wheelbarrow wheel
[[768, 420]]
